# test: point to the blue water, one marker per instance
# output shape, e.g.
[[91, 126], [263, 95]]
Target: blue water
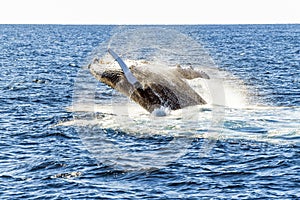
[[39, 159]]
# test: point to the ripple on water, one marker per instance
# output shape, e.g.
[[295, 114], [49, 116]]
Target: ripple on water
[[255, 150]]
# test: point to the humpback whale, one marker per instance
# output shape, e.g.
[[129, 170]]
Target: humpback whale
[[150, 87]]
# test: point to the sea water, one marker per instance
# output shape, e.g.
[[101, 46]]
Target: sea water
[[244, 146]]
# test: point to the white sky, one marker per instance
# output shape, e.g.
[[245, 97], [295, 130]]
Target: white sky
[[149, 11]]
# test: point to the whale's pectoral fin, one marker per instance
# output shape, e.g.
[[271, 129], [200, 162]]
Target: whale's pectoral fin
[[127, 73]]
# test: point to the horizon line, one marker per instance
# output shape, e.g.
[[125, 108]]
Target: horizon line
[[148, 24]]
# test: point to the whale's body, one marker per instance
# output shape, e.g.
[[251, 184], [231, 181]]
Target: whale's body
[[156, 88]]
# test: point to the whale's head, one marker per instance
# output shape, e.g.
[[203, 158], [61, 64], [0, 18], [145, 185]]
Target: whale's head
[[110, 77], [150, 95], [158, 88]]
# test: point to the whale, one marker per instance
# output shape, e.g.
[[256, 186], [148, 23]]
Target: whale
[[150, 86]]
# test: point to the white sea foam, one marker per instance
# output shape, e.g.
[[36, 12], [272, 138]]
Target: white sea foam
[[227, 103]]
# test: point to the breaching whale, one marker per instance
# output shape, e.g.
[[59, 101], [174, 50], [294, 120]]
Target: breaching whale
[[151, 88]]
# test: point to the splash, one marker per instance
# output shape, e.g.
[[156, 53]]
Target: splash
[[222, 89], [161, 112]]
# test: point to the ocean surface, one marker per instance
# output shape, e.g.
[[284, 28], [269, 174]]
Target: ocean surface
[[66, 136]]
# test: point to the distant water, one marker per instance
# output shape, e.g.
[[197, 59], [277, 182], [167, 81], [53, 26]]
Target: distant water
[[250, 151]]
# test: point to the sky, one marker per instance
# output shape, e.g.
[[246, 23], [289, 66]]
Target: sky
[[149, 11]]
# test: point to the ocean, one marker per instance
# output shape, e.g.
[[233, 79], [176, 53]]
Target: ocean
[[64, 135]]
